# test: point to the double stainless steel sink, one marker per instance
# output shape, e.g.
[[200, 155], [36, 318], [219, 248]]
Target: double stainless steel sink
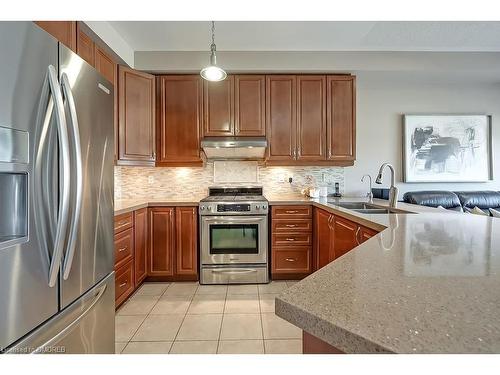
[[368, 208]]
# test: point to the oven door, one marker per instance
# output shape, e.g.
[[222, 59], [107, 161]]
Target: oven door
[[233, 239]]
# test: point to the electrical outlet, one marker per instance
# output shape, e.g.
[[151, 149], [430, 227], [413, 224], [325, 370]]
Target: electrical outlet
[[151, 180]]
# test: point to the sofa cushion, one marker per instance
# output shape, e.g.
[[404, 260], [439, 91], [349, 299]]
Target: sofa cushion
[[433, 198], [477, 211], [482, 199]]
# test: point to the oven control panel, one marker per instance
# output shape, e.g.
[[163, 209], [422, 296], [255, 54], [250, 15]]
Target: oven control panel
[[260, 208]]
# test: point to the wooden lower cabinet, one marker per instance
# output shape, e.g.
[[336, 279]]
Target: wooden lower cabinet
[[186, 249], [173, 243], [345, 236], [323, 238], [313, 345], [124, 282], [291, 242], [141, 245], [335, 236], [161, 241]]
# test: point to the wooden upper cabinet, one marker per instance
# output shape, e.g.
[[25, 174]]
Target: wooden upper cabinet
[[136, 117], [161, 241], [341, 118], [179, 111], [186, 241], [85, 47], [141, 245], [249, 105], [105, 64], [311, 117], [281, 119], [63, 31], [346, 236], [218, 108]]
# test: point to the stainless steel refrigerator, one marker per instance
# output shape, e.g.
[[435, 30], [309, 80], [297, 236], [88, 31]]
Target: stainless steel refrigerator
[[56, 198]]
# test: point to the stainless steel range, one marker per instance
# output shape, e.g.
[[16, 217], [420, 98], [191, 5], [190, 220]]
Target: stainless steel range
[[233, 236]]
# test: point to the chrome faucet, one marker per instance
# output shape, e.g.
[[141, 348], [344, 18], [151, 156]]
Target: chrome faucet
[[369, 195], [393, 191]]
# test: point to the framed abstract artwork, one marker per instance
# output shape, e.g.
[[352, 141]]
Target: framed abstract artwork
[[447, 148]]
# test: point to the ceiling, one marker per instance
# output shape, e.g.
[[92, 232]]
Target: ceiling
[[310, 36]]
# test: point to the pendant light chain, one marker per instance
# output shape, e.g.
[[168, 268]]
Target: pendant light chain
[[213, 47], [213, 72]]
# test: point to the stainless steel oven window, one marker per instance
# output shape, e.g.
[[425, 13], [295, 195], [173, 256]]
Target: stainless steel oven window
[[234, 239]]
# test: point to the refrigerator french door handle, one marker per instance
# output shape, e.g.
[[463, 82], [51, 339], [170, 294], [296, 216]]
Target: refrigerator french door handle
[[64, 194], [75, 220], [70, 326]]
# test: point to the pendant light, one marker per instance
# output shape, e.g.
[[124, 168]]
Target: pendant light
[[213, 72]]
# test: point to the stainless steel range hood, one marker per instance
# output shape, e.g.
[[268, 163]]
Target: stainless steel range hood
[[236, 148]]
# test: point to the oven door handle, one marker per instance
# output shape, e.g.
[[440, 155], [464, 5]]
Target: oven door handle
[[233, 220], [236, 271]]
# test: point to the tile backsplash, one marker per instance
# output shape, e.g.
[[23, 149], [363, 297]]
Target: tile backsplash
[[178, 183]]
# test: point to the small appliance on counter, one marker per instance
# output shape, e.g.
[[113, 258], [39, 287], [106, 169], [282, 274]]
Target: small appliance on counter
[[233, 236], [337, 191]]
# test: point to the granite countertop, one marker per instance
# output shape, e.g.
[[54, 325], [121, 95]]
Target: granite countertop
[[123, 206], [427, 283]]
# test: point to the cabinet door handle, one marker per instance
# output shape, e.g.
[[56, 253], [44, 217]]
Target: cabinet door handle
[[291, 212], [290, 259], [120, 223], [357, 236], [290, 239], [122, 285], [290, 225], [122, 249]]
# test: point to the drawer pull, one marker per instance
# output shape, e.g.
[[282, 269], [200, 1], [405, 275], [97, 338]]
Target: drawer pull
[[290, 259], [290, 239], [122, 249], [122, 285], [290, 225], [120, 223], [292, 211]]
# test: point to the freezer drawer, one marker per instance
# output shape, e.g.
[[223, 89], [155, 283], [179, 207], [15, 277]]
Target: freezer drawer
[[87, 326]]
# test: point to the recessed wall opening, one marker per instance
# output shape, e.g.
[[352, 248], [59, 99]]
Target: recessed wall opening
[[13, 208]]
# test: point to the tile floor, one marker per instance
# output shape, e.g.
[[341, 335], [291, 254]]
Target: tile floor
[[188, 318]]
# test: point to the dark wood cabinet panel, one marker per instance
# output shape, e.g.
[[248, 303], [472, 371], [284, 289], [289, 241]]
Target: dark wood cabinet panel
[[291, 212], [136, 117], [365, 234], [63, 31], [186, 241], [85, 47], [179, 111], [341, 118], [104, 64], [123, 221], [311, 117], [286, 225], [281, 121], [249, 105], [313, 345], [345, 239], [140, 245], [323, 238], [218, 108], [124, 247], [161, 241], [296, 260], [124, 282]]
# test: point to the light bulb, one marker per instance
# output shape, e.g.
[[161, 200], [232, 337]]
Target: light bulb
[[213, 73]]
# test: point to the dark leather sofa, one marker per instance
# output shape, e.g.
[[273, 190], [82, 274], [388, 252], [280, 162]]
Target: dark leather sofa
[[458, 200]]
